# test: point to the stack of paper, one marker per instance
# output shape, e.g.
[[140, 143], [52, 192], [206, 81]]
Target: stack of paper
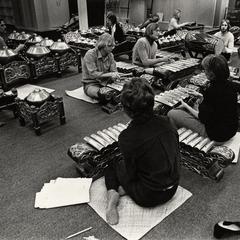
[[63, 192]]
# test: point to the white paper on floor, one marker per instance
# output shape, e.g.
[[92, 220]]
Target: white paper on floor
[[63, 192], [23, 91], [134, 221], [234, 144], [79, 94]]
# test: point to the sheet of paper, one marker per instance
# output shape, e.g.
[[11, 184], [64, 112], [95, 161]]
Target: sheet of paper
[[63, 192]]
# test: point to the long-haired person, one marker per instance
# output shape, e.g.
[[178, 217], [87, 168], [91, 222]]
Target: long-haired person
[[115, 29], [175, 21], [149, 172], [227, 37], [145, 49], [216, 116]]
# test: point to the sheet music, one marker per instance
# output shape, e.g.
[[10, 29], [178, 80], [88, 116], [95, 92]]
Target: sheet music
[[63, 192]]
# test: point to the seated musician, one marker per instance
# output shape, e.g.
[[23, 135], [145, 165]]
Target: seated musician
[[3, 37], [145, 49], [227, 37], [216, 116], [174, 23], [149, 172], [115, 29], [99, 67], [152, 19]]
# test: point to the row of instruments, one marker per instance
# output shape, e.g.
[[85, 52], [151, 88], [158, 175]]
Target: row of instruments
[[198, 154]]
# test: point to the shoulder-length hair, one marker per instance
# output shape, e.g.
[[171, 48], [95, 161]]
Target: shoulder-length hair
[[112, 18], [137, 99], [227, 22], [175, 14], [217, 66], [104, 40]]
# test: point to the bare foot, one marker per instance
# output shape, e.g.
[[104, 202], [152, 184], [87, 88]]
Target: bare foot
[[112, 215], [121, 191]]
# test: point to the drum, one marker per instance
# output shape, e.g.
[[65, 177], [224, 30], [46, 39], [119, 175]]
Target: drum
[[203, 43]]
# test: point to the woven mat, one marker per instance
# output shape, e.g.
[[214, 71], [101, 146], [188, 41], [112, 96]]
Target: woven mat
[[79, 94], [134, 221]]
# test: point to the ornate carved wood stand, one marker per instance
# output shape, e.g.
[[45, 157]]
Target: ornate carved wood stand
[[39, 114]]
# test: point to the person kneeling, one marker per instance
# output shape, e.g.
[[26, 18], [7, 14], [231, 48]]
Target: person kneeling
[[149, 171], [99, 67]]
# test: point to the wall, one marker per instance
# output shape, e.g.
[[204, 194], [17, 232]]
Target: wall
[[24, 14], [51, 13], [138, 11], [40, 15], [221, 7]]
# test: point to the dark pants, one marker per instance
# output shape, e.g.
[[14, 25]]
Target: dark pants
[[116, 175]]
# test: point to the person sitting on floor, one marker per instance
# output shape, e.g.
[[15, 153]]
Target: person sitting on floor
[[115, 29], [175, 21], [3, 37], [227, 37], [216, 116], [145, 49], [99, 67], [153, 18], [149, 171]]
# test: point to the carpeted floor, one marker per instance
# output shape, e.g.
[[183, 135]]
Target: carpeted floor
[[28, 161]]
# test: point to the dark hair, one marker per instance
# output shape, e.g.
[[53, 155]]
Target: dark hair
[[137, 98], [218, 66], [112, 18], [226, 21]]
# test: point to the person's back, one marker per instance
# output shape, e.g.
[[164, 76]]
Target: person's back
[[149, 169], [152, 147], [219, 111]]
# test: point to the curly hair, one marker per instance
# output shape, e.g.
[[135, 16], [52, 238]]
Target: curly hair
[[137, 99], [217, 66]]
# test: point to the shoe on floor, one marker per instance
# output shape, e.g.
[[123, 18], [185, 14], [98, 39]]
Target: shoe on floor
[[226, 228]]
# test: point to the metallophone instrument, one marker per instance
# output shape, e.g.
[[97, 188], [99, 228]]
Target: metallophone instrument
[[202, 155], [169, 99], [203, 43], [98, 150], [171, 72], [198, 154]]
